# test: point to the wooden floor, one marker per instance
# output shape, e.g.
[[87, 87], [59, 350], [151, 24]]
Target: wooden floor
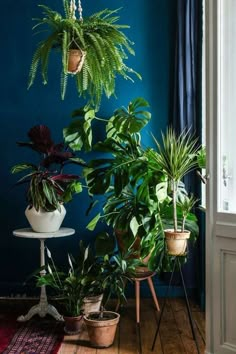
[[175, 332]]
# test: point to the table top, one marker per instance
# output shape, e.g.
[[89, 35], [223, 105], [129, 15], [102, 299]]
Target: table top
[[29, 233]]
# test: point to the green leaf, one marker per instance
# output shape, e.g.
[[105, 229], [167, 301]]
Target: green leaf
[[134, 226], [104, 244], [22, 167], [91, 226], [161, 191]]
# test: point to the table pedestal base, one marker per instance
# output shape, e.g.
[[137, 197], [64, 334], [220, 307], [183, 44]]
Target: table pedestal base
[[42, 310]]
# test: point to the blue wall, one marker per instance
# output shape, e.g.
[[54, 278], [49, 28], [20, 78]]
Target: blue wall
[[152, 29]]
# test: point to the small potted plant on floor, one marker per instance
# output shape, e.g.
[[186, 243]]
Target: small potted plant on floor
[[98, 43], [101, 325], [48, 186], [68, 289]]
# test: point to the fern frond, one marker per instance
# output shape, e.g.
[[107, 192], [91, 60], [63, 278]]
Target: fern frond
[[34, 66], [64, 80], [65, 45]]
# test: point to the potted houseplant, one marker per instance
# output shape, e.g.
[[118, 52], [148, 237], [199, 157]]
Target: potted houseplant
[[132, 183], [176, 157], [69, 288], [97, 41], [101, 325], [48, 187], [117, 176]]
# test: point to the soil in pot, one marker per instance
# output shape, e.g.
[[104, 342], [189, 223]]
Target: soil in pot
[[73, 325], [176, 242], [102, 330]]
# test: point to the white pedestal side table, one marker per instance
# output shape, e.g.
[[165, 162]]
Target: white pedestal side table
[[43, 307]]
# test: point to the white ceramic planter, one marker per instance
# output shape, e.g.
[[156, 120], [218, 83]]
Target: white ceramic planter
[[45, 221]]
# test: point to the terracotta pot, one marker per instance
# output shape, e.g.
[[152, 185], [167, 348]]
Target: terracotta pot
[[102, 331], [45, 221], [176, 242], [140, 270], [92, 304], [75, 60], [73, 324]]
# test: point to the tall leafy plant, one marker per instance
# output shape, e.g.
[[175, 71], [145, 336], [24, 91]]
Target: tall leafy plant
[[177, 156], [99, 36]]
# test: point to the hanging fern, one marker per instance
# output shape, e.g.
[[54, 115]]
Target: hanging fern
[[104, 42]]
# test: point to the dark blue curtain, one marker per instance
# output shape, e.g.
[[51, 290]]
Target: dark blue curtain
[[186, 110], [186, 113]]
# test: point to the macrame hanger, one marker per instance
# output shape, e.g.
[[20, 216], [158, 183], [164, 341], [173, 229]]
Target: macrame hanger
[[73, 8], [77, 55], [80, 10]]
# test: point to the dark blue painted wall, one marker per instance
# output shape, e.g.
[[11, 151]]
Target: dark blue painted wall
[[152, 29]]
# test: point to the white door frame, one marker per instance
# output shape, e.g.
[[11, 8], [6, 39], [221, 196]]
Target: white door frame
[[211, 112], [220, 227]]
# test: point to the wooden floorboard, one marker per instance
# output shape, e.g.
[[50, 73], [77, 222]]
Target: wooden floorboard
[[148, 325], [183, 324], [174, 337]]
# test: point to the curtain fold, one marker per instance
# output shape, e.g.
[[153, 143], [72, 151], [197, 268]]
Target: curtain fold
[[186, 113], [187, 64]]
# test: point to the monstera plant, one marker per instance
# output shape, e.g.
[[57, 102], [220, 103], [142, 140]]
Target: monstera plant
[[132, 184], [98, 43]]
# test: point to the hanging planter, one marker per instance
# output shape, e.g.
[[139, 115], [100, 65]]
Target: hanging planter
[[75, 61], [97, 56]]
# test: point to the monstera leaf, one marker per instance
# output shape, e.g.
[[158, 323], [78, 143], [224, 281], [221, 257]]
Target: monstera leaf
[[131, 120]]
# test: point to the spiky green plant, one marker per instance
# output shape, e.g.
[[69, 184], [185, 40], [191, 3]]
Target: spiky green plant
[[177, 156], [186, 205], [99, 35]]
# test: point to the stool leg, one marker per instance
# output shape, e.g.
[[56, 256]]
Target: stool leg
[[150, 283], [137, 296]]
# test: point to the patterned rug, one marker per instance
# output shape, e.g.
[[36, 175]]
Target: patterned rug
[[37, 336]]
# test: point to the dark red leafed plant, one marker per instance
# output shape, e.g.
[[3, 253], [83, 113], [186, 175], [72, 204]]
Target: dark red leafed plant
[[48, 187]]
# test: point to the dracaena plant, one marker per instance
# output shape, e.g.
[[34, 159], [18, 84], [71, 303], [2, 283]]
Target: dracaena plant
[[99, 36], [176, 157], [48, 185]]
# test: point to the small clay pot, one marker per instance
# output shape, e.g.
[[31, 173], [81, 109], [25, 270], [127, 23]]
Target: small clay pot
[[102, 331], [75, 60], [176, 242], [73, 324]]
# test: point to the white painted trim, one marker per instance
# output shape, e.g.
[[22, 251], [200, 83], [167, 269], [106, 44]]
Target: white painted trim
[[211, 134]]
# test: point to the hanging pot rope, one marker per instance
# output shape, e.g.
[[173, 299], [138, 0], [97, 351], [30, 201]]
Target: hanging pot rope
[[76, 55], [73, 8], [80, 10]]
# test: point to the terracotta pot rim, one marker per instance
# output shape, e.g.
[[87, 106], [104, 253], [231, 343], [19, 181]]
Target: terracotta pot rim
[[105, 323], [92, 298], [178, 235], [73, 317]]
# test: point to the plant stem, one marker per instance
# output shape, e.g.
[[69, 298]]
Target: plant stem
[[174, 205], [101, 119], [183, 223]]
